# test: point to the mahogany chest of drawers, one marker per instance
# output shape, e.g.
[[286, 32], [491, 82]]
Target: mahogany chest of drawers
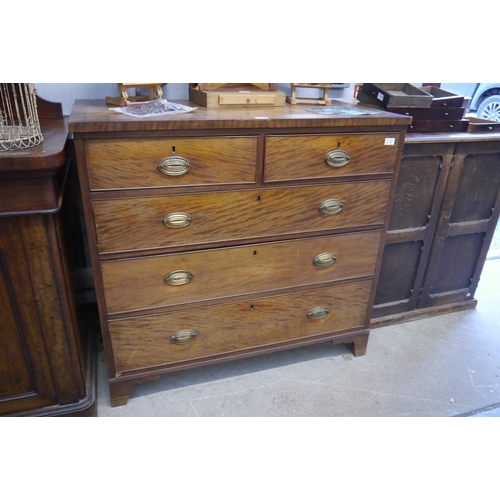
[[224, 233]]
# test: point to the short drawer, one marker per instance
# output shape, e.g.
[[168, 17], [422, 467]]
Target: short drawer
[[209, 274], [128, 224], [293, 157], [150, 341], [170, 162]]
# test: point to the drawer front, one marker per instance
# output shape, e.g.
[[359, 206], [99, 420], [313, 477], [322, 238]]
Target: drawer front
[[247, 99], [196, 276], [128, 224], [170, 162], [328, 156], [231, 328]]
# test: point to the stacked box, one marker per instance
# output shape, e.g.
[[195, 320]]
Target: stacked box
[[433, 109]]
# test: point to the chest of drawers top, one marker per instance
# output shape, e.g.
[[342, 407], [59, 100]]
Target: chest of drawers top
[[92, 116]]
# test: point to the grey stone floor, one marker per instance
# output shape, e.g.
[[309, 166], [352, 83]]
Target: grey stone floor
[[436, 367]]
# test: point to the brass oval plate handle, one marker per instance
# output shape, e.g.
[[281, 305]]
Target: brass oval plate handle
[[183, 337], [337, 158], [324, 259], [176, 220], [176, 278], [174, 166], [331, 207], [318, 313]]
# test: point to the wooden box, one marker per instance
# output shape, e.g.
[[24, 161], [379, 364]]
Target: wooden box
[[438, 126], [481, 125], [219, 98], [432, 113], [444, 98], [447, 116], [393, 95]]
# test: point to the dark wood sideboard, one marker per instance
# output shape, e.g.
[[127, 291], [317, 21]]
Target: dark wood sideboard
[[446, 208], [230, 232], [47, 361]]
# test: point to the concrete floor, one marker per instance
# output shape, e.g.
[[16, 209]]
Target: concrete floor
[[437, 367]]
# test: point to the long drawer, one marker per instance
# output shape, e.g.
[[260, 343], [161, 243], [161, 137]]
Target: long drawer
[[150, 341], [167, 162], [290, 157], [128, 224], [137, 284]]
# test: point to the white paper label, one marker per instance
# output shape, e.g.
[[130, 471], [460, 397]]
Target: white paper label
[[380, 96], [390, 141]]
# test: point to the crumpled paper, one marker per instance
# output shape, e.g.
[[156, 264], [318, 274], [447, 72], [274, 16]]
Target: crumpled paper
[[158, 107]]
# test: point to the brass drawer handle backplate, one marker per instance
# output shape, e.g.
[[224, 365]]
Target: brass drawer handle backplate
[[174, 166], [324, 259], [183, 337], [331, 207], [176, 220], [337, 158], [177, 278], [318, 313]]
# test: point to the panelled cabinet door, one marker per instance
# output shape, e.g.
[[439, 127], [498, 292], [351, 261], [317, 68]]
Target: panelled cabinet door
[[25, 377], [467, 221], [422, 176]]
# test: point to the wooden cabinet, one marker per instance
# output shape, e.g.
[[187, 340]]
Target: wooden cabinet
[[46, 367], [445, 212], [225, 233]]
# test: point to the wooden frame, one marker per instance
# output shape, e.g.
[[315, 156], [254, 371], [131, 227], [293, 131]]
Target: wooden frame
[[324, 100], [155, 92]]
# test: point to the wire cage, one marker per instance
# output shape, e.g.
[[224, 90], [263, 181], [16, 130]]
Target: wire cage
[[19, 124]]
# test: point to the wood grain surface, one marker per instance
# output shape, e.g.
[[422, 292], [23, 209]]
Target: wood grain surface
[[135, 284], [94, 116], [303, 156], [145, 341], [137, 223], [125, 163]]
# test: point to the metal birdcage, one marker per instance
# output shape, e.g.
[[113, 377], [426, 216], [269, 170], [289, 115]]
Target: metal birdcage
[[19, 124]]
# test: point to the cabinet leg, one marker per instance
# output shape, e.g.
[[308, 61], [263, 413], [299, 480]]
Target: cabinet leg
[[119, 394], [120, 391], [359, 345]]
